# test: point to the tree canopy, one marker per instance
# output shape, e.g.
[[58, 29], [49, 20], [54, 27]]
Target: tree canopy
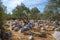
[[21, 11], [52, 10]]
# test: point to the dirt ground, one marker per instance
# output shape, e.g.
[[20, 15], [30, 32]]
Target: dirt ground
[[21, 36]]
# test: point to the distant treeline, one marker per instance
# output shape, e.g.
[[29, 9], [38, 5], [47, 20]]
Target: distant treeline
[[51, 12]]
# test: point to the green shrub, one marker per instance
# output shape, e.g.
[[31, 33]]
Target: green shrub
[[58, 29]]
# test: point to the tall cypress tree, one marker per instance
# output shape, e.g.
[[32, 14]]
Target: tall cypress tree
[[1, 12], [1, 20]]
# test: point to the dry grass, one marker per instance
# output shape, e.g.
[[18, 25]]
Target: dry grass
[[21, 36]]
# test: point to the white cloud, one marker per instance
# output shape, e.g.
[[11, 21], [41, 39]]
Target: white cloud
[[11, 4]]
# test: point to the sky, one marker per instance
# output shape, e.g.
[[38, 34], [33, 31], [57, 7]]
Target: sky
[[11, 4]]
